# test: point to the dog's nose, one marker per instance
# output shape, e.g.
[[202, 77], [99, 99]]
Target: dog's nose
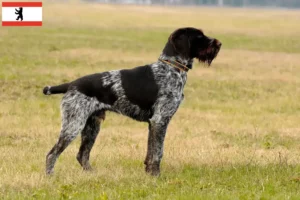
[[218, 43]]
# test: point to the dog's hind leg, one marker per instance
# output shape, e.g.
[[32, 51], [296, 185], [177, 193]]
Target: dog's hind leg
[[88, 137], [75, 109], [69, 131]]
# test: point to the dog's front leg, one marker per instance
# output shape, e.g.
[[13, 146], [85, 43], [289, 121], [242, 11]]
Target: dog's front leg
[[157, 131]]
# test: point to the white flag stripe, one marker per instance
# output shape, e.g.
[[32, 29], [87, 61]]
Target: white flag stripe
[[29, 14]]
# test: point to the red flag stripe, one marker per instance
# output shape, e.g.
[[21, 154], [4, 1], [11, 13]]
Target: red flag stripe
[[21, 23], [22, 4]]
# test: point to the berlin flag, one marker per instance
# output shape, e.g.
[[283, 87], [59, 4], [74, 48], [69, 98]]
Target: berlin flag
[[22, 13]]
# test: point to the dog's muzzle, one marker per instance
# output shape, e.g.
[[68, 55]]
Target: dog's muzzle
[[211, 52]]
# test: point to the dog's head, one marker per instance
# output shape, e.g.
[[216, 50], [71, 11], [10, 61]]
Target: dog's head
[[191, 43]]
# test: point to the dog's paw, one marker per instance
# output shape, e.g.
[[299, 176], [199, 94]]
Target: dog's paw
[[153, 170]]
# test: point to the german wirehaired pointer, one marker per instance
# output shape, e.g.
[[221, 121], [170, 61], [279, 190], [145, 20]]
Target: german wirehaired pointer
[[150, 93]]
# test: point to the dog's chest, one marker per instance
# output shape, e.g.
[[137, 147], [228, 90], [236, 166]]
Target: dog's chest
[[172, 84]]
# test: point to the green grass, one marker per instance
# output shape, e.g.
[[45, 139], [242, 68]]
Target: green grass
[[236, 135], [188, 182]]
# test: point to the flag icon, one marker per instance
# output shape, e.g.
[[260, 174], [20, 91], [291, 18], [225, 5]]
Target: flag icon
[[22, 14]]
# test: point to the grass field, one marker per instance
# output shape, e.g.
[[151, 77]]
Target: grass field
[[236, 136]]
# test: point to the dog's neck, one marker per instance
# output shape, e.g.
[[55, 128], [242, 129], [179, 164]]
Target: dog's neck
[[185, 62]]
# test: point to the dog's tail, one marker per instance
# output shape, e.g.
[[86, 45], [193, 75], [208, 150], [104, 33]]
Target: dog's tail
[[59, 89]]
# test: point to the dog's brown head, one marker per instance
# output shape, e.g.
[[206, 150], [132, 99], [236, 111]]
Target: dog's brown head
[[190, 43]]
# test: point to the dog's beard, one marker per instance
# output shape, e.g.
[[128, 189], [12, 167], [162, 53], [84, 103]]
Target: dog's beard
[[206, 56]]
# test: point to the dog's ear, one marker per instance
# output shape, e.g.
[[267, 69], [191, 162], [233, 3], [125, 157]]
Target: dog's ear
[[179, 39]]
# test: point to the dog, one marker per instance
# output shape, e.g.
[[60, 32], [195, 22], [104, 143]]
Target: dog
[[150, 93]]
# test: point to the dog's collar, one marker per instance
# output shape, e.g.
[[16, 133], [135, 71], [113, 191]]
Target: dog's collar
[[175, 64]]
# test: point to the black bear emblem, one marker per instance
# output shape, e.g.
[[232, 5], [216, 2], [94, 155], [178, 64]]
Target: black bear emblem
[[19, 13]]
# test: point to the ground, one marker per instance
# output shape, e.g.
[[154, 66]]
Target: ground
[[236, 136]]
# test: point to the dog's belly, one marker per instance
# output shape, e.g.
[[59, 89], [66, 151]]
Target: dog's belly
[[125, 107]]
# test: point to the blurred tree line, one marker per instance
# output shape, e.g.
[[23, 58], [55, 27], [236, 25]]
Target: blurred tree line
[[274, 3], [235, 3]]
